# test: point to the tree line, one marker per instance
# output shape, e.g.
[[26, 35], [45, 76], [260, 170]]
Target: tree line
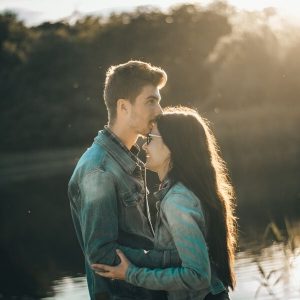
[[236, 68]]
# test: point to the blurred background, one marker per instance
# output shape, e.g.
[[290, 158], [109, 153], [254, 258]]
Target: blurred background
[[238, 63]]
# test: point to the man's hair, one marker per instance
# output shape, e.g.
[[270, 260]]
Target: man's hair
[[125, 81]]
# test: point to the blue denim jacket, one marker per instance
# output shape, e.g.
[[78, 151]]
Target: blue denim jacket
[[109, 211], [181, 226]]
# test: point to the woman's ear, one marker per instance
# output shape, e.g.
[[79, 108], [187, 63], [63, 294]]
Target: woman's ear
[[170, 164]]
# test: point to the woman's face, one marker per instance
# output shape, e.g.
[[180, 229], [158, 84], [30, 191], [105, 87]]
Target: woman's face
[[157, 154]]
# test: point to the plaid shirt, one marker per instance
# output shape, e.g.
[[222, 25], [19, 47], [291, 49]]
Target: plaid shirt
[[140, 170], [133, 152]]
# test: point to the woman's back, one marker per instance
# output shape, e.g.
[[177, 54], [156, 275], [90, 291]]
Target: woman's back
[[181, 225]]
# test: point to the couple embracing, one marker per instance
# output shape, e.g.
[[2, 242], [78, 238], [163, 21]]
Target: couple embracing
[[190, 253]]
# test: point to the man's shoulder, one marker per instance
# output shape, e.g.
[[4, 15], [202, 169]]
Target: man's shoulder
[[92, 159]]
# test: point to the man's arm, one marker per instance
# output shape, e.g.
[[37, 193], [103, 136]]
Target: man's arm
[[99, 224]]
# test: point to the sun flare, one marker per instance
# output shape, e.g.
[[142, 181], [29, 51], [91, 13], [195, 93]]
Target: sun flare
[[35, 11]]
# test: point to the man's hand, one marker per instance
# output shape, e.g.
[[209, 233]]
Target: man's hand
[[117, 272], [102, 296]]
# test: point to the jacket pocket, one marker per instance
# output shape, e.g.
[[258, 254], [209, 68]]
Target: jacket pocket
[[130, 198]]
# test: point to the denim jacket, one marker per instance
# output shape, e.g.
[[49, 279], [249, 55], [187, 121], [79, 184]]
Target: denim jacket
[[109, 210], [181, 226]]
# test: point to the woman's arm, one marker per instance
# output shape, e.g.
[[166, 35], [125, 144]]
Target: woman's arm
[[183, 217], [97, 218]]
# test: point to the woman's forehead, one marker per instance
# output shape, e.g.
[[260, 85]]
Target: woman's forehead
[[154, 129]]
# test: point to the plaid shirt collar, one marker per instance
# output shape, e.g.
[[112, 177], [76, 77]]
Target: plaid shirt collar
[[133, 152]]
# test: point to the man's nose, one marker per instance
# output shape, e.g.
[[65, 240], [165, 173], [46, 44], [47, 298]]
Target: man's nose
[[144, 146], [158, 110]]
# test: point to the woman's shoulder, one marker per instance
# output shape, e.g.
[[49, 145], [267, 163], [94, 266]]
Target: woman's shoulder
[[180, 188], [180, 193], [180, 202]]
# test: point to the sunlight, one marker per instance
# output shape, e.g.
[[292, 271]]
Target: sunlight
[[287, 5], [287, 8], [70, 288], [48, 10]]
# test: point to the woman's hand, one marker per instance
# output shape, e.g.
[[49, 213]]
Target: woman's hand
[[117, 272]]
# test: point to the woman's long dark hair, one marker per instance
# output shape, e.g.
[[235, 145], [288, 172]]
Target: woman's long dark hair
[[196, 163]]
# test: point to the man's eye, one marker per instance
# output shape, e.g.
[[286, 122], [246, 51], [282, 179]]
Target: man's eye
[[152, 101]]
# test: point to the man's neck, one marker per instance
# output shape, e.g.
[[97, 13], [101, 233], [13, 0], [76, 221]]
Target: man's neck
[[127, 137]]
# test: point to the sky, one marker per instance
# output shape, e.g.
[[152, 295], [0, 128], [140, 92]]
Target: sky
[[34, 12]]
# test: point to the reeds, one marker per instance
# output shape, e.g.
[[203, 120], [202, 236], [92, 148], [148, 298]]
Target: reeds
[[288, 240]]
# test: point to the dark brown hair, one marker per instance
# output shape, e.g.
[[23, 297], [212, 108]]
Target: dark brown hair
[[197, 164], [125, 81]]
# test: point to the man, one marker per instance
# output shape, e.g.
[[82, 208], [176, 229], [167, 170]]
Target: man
[[107, 190]]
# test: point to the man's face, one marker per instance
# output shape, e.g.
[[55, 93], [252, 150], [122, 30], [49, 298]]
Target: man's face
[[144, 110]]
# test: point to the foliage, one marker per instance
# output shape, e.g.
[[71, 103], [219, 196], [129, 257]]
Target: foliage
[[236, 68], [54, 90]]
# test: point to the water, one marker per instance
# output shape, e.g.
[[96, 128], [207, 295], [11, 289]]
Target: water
[[42, 258], [279, 264], [74, 288], [279, 277]]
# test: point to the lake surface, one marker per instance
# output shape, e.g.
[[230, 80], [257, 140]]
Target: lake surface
[[274, 273], [41, 257], [263, 272]]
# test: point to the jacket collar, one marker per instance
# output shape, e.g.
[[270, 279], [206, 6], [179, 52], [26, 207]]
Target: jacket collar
[[124, 158], [163, 189]]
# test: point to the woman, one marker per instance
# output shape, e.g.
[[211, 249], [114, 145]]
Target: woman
[[195, 214]]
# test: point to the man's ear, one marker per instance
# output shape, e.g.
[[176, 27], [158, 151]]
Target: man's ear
[[123, 106]]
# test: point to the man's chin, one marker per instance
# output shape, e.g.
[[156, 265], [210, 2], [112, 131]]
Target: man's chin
[[145, 132], [142, 135]]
